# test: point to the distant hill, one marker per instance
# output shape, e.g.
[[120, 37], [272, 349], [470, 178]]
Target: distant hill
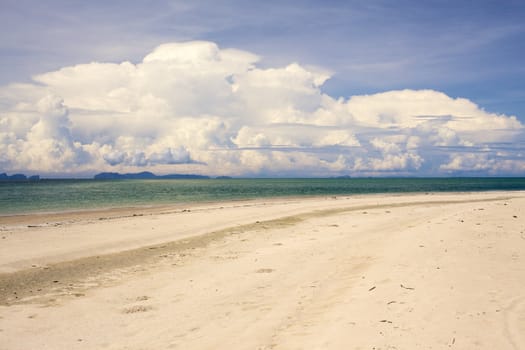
[[145, 175], [18, 177]]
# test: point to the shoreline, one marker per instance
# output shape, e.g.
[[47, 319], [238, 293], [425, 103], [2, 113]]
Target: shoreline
[[46, 200], [354, 271], [41, 217], [68, 236]]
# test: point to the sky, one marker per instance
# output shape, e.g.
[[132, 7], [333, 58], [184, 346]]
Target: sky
[[263, 88]]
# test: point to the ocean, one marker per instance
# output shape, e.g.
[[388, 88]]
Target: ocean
[[72, 195]]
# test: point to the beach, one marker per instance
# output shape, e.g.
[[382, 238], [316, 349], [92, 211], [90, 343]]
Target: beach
[[396, 271]]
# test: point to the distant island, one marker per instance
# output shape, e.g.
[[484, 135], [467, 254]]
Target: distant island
[[18, 177], [146, 175]]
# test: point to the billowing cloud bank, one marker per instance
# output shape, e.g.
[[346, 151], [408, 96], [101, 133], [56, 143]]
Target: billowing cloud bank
[[192, 107]]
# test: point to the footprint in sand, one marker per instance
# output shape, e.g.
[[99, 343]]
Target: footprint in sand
[[136, 308], [264, 271], [515, 323]]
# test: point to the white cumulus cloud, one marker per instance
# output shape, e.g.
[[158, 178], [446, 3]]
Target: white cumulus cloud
[[195, 107]]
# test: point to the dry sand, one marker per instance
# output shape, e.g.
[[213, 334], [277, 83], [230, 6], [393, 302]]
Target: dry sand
[[427, 271]]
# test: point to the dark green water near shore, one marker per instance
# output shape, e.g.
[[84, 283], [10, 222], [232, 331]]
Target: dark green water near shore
[[68, 195]]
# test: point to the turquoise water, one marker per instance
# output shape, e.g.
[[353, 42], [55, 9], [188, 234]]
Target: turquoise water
[[66, 195]]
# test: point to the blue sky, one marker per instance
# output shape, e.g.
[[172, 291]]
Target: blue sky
[[462, 49]]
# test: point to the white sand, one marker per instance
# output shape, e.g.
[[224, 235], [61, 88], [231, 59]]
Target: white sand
[[421, 271]]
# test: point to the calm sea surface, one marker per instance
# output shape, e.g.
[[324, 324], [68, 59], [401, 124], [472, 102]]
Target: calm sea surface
[[66, 195]]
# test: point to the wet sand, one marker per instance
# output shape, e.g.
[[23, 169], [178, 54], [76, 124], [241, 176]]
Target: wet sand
[[386, 272]]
